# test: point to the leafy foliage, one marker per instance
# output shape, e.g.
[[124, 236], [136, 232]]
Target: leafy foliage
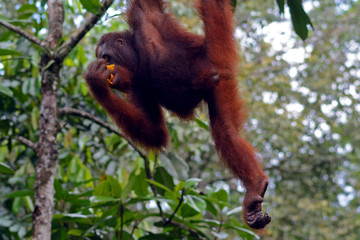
[[303, 119], [299, 17]]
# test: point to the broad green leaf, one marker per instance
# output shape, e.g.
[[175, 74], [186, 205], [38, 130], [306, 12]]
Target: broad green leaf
[[17, 205], [109, 188], [7, 52], [91, 5], [130, 185], [27, 8], [235, 211], [28, 203], [188, 211], [192, 206], [159, 187], [191, 182], [242, 231], [299, 18], [76, 232], [5, 169], [168, 165], [21, 193], [115, 186], [59, 191], [221, 195], [210, 207], [175, 166], [221, 198], [6, 91], [81, 56], [141, 187], [162, 177]]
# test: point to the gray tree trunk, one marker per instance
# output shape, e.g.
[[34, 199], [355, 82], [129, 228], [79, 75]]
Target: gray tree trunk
[[47, 147]]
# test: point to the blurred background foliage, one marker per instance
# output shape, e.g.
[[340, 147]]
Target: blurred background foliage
[[304, 116]]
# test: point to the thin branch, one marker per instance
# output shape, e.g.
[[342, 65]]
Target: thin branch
[[111, 128], [153, 189], [83, 114], [89, 23], [27, 142], [23, 33], [177, 207]]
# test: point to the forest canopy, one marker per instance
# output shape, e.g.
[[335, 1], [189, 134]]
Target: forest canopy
[[298, 73]]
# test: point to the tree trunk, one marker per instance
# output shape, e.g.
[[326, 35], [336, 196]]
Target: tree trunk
[[47, 147], [50, 65]]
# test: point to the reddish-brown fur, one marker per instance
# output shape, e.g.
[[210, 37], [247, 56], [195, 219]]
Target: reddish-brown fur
[[159, 64]]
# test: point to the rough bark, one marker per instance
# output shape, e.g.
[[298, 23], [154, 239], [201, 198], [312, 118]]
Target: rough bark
[[47, 147], [47, 152]]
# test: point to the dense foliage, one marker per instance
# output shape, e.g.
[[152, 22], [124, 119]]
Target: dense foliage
[[304, 118]]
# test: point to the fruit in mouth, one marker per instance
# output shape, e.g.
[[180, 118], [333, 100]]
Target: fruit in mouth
[[110, 68]]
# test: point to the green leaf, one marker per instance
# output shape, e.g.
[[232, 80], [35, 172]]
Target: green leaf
[[243, 232], [221, 195], [6, 91], [299, 18], [192, 206], [202, 124], [235, 211], [159, 187], [76, 232], [191, 182], [141, 187], [109, 188], [281, 4], [91, 5], [210, 207], [176, 166], [27, 8], [5, 169], [21, 193], [115, 186], [28, 202], [81, 56], [17, 205], [130, 185], [162, 177], [7, 52], [102, 199], [59, 191]]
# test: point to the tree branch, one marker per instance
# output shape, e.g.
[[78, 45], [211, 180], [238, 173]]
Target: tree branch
[[27, 142], [177, 207], [153, 189], [24, 34], [89, 23], [83, 114]]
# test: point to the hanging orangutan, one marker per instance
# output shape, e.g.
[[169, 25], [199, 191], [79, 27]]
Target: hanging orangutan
[[158, 64]]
